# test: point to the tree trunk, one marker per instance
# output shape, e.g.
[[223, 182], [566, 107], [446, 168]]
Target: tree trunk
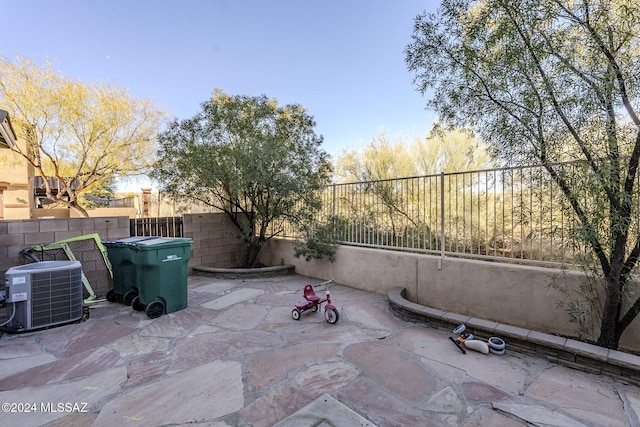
[[609, 335], [75, 206], [253, 249]]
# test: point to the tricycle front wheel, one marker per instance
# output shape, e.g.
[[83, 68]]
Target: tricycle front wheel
[[331, 315], [295, 313]]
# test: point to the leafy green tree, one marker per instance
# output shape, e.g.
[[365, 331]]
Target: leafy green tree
[[550, 81], [382, 158], [77, 133], [103, 190], [442, 150], [256, 161], [449, 150]]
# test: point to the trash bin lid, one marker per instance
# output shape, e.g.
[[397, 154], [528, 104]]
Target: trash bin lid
[[136, 239], [163, 241]]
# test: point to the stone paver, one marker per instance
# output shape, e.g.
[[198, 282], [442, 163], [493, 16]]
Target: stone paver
[[233, 298], [264, 368], [147, 368], [586, 398], [235, 357], [446, 400], [275, 405], [206, 392], [19, 355], [87, 394], [76, 366], [325, 411], [327, 378], [72, 339], [382, 407], [394, 369], [241, 317], [177, 325], [538, 415]]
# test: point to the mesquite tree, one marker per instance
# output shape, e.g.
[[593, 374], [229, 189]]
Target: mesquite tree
[[258, 162], [551, 81], [79, 135]]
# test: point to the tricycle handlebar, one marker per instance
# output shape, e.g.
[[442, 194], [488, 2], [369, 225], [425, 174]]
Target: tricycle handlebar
[[326, 283]]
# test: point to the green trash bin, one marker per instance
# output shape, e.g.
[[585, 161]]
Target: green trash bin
[[161, 269], [125, 274]]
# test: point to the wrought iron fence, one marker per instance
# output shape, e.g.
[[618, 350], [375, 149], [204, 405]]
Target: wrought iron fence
[[509, 214], [162, 226]]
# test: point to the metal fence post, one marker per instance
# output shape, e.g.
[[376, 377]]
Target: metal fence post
[[441, 220], [334, 232]]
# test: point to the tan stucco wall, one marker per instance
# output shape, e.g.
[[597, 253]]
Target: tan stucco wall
[[93, 213], [505, 293], [15, 176]]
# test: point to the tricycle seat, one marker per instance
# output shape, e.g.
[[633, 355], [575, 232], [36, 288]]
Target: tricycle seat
[[309, 294]]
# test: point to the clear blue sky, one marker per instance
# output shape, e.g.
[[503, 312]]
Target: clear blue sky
[[343, 60]]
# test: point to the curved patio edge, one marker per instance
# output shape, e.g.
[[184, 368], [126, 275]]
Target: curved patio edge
[[566, 351], [239, 273]]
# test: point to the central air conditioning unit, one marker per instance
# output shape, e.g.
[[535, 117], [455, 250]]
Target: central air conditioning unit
[[43, 294]]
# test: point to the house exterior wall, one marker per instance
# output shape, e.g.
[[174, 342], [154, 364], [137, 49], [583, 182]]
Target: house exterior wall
[[16, 179], [17, 195], [93, 213]]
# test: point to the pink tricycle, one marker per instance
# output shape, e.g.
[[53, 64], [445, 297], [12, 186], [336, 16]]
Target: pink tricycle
[[313, 302]]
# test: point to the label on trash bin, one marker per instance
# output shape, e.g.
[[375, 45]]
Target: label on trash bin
[[172, 258]]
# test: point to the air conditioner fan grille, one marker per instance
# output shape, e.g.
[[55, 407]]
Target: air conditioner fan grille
[[55, 297]]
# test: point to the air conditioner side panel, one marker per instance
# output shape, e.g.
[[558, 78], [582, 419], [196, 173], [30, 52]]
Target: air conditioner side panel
[[18, 289]]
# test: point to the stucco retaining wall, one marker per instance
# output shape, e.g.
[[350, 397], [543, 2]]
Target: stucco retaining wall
[[510, 294]]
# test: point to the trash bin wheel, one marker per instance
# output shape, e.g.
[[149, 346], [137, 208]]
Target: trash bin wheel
[[127, 299], [137, 305], [155, 309], [111, 296]]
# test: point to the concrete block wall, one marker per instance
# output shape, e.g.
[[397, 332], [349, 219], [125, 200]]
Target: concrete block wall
[[16, 235], [214, 237], [214, 240]]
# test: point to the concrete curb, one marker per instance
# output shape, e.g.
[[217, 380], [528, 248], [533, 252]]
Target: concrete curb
[[240, 273], [566, 351]]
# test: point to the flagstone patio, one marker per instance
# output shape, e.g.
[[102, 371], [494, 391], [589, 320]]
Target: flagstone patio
[[235, 357]]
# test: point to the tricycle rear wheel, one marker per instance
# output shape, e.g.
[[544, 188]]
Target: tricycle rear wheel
[[295, 313]]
